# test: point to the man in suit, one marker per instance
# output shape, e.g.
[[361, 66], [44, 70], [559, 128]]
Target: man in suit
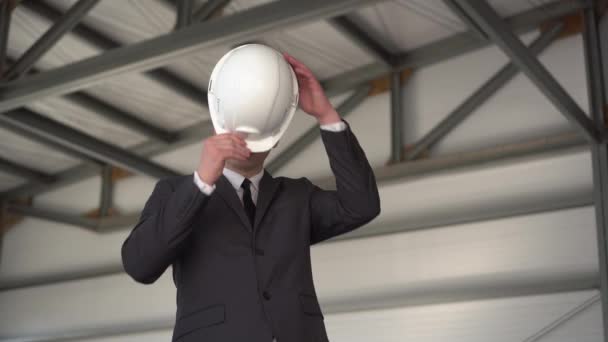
[[238, 239]]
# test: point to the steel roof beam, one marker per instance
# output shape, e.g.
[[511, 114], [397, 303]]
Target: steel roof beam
[[188, 136], [362, 39], [112, 113], [161, 50], [435, 52], [88, 162], [73, 139], [184, 13], [396, 117], [21, 171], [450, 47], [48, 40], [466, 19], [100, 41]]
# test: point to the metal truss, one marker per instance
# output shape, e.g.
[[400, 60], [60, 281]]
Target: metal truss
[[541, 148], [429, 54], [595, 57], [191, 34], [114, 114], [25, 172], [520, 22], [162, 76], [155, 52], [500, 33], [479, 97], [396, 117], [360, 37], [50, 38], [453, 46], [209, 9]]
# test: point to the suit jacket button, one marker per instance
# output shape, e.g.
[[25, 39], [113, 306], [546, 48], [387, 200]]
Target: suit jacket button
[[266, 295]]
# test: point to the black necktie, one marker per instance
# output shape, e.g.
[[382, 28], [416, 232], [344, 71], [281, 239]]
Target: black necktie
[[247, 200]]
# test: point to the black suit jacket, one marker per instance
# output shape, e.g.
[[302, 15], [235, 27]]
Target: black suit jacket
[[242, 283]]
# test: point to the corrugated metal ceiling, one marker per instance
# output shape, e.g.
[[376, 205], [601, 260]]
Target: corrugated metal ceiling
[[401, 24]]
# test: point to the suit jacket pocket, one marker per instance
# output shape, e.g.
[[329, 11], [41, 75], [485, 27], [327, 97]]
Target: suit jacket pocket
[[310, 305], [205, 317]]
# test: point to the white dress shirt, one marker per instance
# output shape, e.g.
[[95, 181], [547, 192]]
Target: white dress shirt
[[236, 179]]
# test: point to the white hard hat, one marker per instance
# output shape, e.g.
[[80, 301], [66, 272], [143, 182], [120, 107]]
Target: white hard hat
[[255, 91]]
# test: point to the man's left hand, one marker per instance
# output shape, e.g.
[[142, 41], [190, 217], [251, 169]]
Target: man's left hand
[[312, 97]]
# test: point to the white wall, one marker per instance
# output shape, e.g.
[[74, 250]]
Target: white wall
[[453, 264]]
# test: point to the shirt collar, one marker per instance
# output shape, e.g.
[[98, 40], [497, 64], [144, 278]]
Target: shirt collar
[[236, 179]]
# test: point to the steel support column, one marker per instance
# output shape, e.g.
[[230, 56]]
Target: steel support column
[[107, 191], [5, 25], [83, 143], [500, 33], [50, 37], [313, 133], [158, 51], [479, 97], [596, 89], [396, 118]]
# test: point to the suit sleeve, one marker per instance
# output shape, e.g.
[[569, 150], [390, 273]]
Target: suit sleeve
[[355, 201], [163, 227]]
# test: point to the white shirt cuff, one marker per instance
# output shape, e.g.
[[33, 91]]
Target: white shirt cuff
[[204, 187], [334, 127]]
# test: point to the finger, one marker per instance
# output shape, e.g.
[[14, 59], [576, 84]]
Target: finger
[[240, 149], [236, 153], [305, 74], [231, 137], [292, 59], [296, 64], [301, 66]]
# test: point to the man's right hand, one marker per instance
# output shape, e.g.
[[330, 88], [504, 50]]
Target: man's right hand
[[216, 150]]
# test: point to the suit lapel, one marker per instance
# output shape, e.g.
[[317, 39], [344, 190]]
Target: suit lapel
[[267, 190], [227, 192]]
